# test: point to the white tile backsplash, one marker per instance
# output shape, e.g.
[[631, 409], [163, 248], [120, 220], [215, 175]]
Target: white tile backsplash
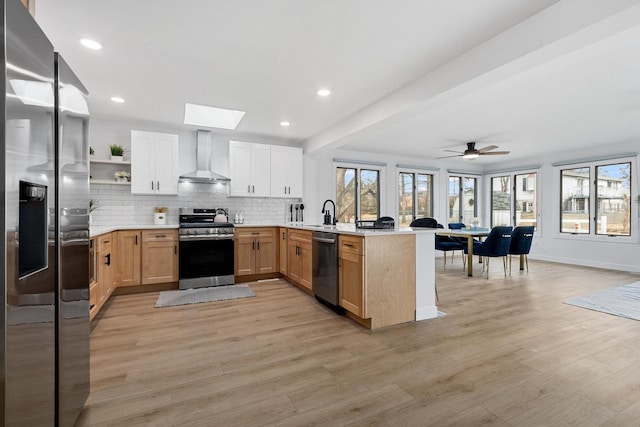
[[117, 206]]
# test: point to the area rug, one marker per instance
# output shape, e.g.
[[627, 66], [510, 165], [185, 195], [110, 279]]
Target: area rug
[[623, 301], [198, 295]]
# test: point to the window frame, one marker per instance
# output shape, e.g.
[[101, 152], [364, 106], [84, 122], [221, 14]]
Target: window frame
[[513, 192], [461, 176], [381, 169], [592, 236], [433, 188]]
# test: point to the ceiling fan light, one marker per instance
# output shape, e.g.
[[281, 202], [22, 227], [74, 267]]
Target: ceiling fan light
[[471, 156]]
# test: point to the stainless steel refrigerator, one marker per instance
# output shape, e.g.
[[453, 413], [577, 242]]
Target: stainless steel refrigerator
[[44, 323]]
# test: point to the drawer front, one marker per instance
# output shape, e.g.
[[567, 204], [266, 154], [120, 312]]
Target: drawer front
[[253, 232], [164, 235], [351, 244], [301, 236], [104, 243]]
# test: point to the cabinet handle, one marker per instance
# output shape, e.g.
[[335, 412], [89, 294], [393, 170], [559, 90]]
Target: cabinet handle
[[248, 188], [106, 241], [108, 257], [158, 185], [283, 235], [253, 246], [152, 186], [175, 249], [258, 245], [253, 188], [136, 240], [161, 235], [349, 245], [289, 190], [285, 189]]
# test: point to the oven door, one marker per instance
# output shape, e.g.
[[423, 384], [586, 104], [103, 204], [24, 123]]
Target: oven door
[[206, 261]]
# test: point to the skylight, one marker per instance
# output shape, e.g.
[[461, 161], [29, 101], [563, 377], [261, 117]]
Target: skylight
[[203, 115]]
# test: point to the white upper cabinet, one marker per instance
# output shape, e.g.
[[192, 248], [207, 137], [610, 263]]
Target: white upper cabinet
[[154, 163], [286, 171], [250, 167]]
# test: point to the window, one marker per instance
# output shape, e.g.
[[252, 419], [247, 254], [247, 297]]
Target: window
[[500, 201], [415, 196], [357, 194], [611, 205], [514, 200], [462, 198]]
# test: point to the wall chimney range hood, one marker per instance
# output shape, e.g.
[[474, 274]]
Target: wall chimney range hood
[[203, 173]]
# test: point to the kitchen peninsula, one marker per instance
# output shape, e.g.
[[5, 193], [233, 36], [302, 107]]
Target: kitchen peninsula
[[387, 276]]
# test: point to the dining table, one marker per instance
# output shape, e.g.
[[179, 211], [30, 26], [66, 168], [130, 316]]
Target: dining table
[[469, 234]]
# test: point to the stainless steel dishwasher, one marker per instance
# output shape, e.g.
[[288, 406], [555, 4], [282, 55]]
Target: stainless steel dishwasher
[[325, 270]]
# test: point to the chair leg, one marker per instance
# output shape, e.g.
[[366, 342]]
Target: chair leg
[[445, 259], [488, 259], [526, 261], [504, 266], [509, 264], [436, 288]]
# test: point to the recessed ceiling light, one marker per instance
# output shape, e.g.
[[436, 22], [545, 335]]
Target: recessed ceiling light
[[323, 92], [285, 124], [91, 44], [117, 99], [214, 117]]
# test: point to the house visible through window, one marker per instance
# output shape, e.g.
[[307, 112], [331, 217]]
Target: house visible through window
[[611, 205], [514, 200]]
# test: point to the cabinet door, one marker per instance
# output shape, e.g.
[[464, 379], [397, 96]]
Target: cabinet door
[[266, 253], [261, 169], [240, 168], [159, 262], [143, 175], [294, 172], [306, 266], [282, 247], [128, 258], [352, 283], [286, 171], [166, 163], [245, 255], [293, 262]]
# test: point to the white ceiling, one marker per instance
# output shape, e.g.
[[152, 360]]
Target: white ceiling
[[411, 77]]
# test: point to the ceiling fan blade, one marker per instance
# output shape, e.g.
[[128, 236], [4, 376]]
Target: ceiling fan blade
[[487, 148], [446, 157], [453, 151], [495, 153]]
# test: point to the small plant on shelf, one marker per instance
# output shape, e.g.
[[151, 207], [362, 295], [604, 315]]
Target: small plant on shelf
[[91, 151], [117, 151], [93, 205]]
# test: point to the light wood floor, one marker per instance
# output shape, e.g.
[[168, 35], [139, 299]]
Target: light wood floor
[[508, 353]]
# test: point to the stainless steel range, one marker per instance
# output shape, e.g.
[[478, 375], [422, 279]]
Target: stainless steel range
[[206, 248]]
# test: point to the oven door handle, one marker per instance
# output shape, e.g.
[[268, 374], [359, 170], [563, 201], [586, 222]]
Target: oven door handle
[[189, 238]]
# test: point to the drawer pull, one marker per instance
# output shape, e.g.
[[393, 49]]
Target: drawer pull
[[349, 245], [161, 235]]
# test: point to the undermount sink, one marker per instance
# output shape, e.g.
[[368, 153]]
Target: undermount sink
[[328, 227]]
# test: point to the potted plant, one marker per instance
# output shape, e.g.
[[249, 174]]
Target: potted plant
[[117, 152], [122, 176], [91, 151]]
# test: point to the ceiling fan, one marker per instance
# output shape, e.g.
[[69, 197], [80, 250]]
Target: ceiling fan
[[473, 153]]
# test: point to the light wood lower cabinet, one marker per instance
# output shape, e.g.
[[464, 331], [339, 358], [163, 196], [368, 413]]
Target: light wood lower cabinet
[[283, 249], [159, 256], [255, 250], [129, 244], [351, 274], [100, 290], [299, 257]]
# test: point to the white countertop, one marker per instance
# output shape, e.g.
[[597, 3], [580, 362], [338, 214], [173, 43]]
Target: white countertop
[[96, 231], [344, 229]]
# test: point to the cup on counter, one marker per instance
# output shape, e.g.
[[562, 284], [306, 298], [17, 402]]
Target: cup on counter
[[159, 218]]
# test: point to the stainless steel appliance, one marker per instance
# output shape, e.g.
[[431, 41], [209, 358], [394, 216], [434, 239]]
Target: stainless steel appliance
[[44, 319], [325, 269], [206, 248]]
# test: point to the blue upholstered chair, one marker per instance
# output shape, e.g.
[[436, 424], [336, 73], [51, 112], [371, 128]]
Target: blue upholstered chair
[[495, 245], [446, 244], [521, 239]]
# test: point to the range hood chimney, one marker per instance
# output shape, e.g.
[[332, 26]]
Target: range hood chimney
[[203, 173]]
